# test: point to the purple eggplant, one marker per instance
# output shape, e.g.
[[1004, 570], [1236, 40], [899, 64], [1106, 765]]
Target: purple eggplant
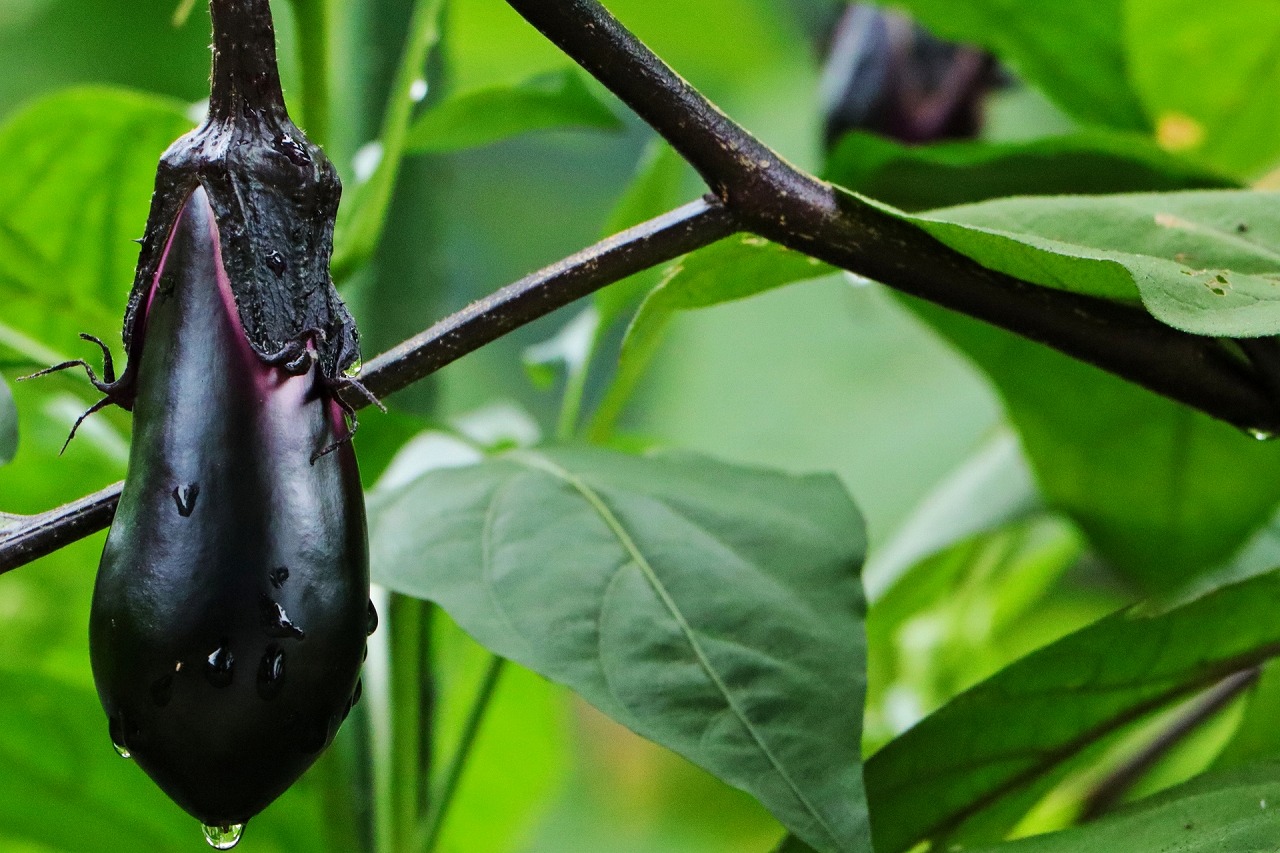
[[230, 611], [231, 608]]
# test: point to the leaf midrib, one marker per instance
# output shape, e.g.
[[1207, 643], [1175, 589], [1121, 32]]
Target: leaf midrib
[[542, 463]]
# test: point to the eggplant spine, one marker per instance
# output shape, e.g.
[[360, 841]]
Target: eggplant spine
[[230, 611]]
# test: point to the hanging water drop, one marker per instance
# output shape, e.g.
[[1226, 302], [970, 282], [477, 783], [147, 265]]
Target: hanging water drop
[[223, 837], [373, 620], [115, 727]]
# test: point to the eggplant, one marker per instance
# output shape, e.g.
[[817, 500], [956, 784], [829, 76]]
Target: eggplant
[[231, 610]]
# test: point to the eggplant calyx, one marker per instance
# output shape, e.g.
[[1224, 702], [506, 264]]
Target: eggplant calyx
[[275, 198]]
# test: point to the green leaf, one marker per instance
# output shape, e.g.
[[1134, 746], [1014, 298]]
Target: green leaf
[[1205, 262], [79, 167], [8, 424], [559, 99], [713, 609], [1015, 733], [951, 621], [791, 844], [952, 173], [1233, 811], [1162, 491], [734, 268], [1072, 51], [989, 489], [1205, 74]]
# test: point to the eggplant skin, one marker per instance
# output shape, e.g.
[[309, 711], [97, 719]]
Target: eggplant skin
[[229, 615]]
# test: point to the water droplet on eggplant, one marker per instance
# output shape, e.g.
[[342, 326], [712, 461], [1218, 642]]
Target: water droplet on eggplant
[[116, 730], [276, 622], [223, 837], [219, 667], [185, 498], [372, 622], [271, 672]]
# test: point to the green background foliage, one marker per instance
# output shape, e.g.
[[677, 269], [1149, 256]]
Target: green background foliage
[[645, 503]]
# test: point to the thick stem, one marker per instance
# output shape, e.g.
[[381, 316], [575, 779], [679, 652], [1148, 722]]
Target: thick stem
[[245, 76], [778, 201]]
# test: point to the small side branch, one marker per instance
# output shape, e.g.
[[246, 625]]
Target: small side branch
[[657, 241], [27, 538]]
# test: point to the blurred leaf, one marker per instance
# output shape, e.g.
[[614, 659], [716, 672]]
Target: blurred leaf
[[555, 100], [56, 753], [713, 609], [940, 628], [1205, 262], [1233, 811], [952, 173], [1202, 71], [79, 170], [992, 487], [734, 268], [380, 437], [8, 424], [791, 844], [1072, 51], [50, 44], [1162, 491], [499, 800], [1256, 737], [1015, 731]]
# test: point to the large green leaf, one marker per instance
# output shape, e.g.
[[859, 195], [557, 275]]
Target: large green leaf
[[1015, 732], [78, 172], [1211, 70], [559, 99], [8, 424], [1072, 50], [1205, 262], [1162, 491], [915, 177], [713, 609], [1231, 811]]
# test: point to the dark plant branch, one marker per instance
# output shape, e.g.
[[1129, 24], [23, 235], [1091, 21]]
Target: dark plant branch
[[778, 201], [665, 238], [698, 224], [1111, 791]]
